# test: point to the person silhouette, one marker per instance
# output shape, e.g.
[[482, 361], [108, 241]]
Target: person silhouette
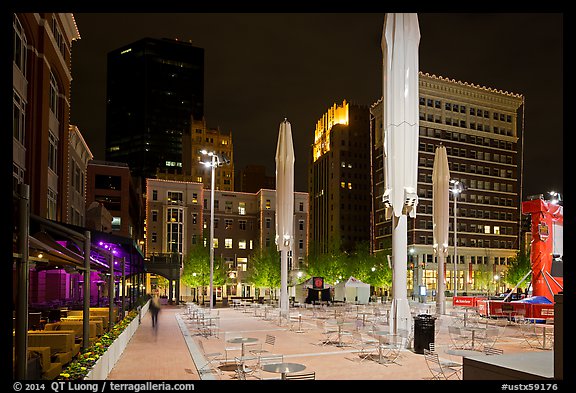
[[154, 310]]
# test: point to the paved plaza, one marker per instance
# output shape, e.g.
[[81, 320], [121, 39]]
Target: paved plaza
[[173, 351]]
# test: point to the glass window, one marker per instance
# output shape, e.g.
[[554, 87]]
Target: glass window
[[52, 151], [53, 95], [228, 223], [18, 117], [51, 204], [175, 197], [20, 43], [242, 244]]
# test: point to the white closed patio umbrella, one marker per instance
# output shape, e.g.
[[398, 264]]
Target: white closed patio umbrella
[[440, 215], [284, 206], [400, 40]]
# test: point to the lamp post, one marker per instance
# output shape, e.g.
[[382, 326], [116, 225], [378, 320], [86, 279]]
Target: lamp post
[[457, 188], [216, 161]]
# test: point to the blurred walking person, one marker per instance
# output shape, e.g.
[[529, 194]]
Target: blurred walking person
[[154, 310]]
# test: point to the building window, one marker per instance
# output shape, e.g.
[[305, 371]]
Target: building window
[[154, 195], [18, 117], [301, 244], [17, 175], [53, 95], [154, 237], [215, 242], [154, 215], [175, 197], [194, 198], [242, 225], [301, 206], [51, 214], [228, 206], [52, 151], [301, 225], [194, 218], [20, 43], [228, 223], [268, 222], [242, 264], [242, 244], [267, 204], [227, 243], [174, 229]]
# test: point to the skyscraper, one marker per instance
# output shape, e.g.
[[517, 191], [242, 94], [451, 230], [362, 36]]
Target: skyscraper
[[339, 179], [155, 87], [200, 137]]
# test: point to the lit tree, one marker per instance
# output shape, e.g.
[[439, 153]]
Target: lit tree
[[196, 272], [264, 269], [518, 267], [330, 266], [484, 278]]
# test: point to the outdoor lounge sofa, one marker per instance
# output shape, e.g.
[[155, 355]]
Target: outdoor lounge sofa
[[50, 370]]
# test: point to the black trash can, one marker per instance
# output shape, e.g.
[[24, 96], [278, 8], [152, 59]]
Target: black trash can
[[423, 332]]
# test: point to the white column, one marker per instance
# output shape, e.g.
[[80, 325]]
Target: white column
[[400, 311]]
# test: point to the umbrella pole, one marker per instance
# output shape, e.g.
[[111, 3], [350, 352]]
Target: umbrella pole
[[440, 295], [400, 307], [284, 283]]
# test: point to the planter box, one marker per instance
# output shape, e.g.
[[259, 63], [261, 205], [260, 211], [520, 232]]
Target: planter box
[[108, 360]]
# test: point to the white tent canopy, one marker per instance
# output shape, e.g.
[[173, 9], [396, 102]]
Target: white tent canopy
[[352, 291]]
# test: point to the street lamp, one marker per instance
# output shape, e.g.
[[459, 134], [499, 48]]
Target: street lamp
[[216, 161], [457, 188], [555, 197]]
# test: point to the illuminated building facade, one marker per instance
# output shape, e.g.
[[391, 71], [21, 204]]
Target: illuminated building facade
[[41, 78], [339, 179], [178, 217], [79, 154], [200, 137], [482, 130], [154, 88]]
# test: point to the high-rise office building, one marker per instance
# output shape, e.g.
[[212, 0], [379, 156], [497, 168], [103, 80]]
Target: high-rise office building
[[253, 178], [154, 89], [482, 129], [200, 137], [339, 179]]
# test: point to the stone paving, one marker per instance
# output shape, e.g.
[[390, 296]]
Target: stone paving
[[173, 350]]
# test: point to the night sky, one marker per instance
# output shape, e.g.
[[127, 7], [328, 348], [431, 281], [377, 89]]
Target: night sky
[[261, 68]]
